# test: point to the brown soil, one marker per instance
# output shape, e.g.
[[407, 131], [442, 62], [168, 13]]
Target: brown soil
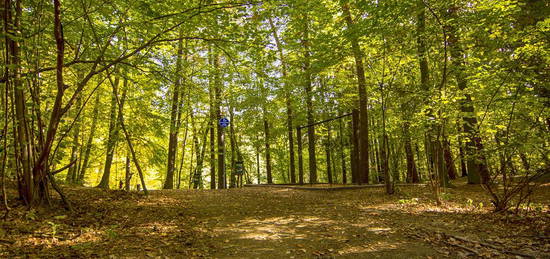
[[265, 222]]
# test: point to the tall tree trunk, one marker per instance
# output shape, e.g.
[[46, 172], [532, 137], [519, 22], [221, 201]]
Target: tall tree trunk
[[288, 102], [309, 101], [388, 179], [127, 172], [220, 131], [201, 151], [232, 140], [300, 156], [412, 173], [258, 162], [463, 169], [183, 145], [476, 161], [354, 154], [328, 154], [342, 153], [72, 172], [267, 151], [363, 165], [434, 149], [120, 106], [174, 111], [23, 152], [114, 129], [88, 147], [213, 122], [449, 159]]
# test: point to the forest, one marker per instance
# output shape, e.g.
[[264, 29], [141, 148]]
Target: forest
[[240, 129]]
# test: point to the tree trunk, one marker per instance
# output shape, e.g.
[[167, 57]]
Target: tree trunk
[[174, 111], [300, 159], [342, 154], [120, 105], [355, 147], [267, 151], [309, 102], [201, 151], [463, 169], [23, 152], [328, 154], [128, 173], [412, 173], [476, 161], [288, 102], [72, 171], [183, 145], [363, 163], [88, 147], [114, 128], [258, 162], [232, 140], [212, 130], [449, 160]]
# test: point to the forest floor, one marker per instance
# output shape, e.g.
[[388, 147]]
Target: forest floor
[[262, 222]]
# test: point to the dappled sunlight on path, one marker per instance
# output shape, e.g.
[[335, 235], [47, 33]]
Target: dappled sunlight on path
[[260, 222]]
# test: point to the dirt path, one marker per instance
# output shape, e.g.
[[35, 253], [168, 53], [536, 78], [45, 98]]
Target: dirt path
[[276, 223], [283, 223]]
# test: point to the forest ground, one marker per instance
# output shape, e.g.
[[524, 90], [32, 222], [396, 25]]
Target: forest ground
[[264, 222]]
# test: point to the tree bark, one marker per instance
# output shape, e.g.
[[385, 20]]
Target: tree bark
[[328, 154], [267, 151], [309, 101], [212, 128], [342, 153], [174, 111], [127, 135], [114, 129], [232, 140], [88, 147], [476, 161], [355, 147], [73, 170], [412, 173], [300, 156], [363, 162], [288, 102], [127, 173]]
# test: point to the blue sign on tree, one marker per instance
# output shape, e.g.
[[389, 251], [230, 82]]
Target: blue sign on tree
[[224, 122]]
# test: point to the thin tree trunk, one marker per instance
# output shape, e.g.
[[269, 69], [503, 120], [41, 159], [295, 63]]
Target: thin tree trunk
[[114, 128], [258, 162], [183, 145], [212, 129], [463, 168], [128, 172], [267, 151], [342, 153], [72, 172], [88, 147], [328, 154], [232, 140], [300, 156], [120, 105], [354, 154]]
